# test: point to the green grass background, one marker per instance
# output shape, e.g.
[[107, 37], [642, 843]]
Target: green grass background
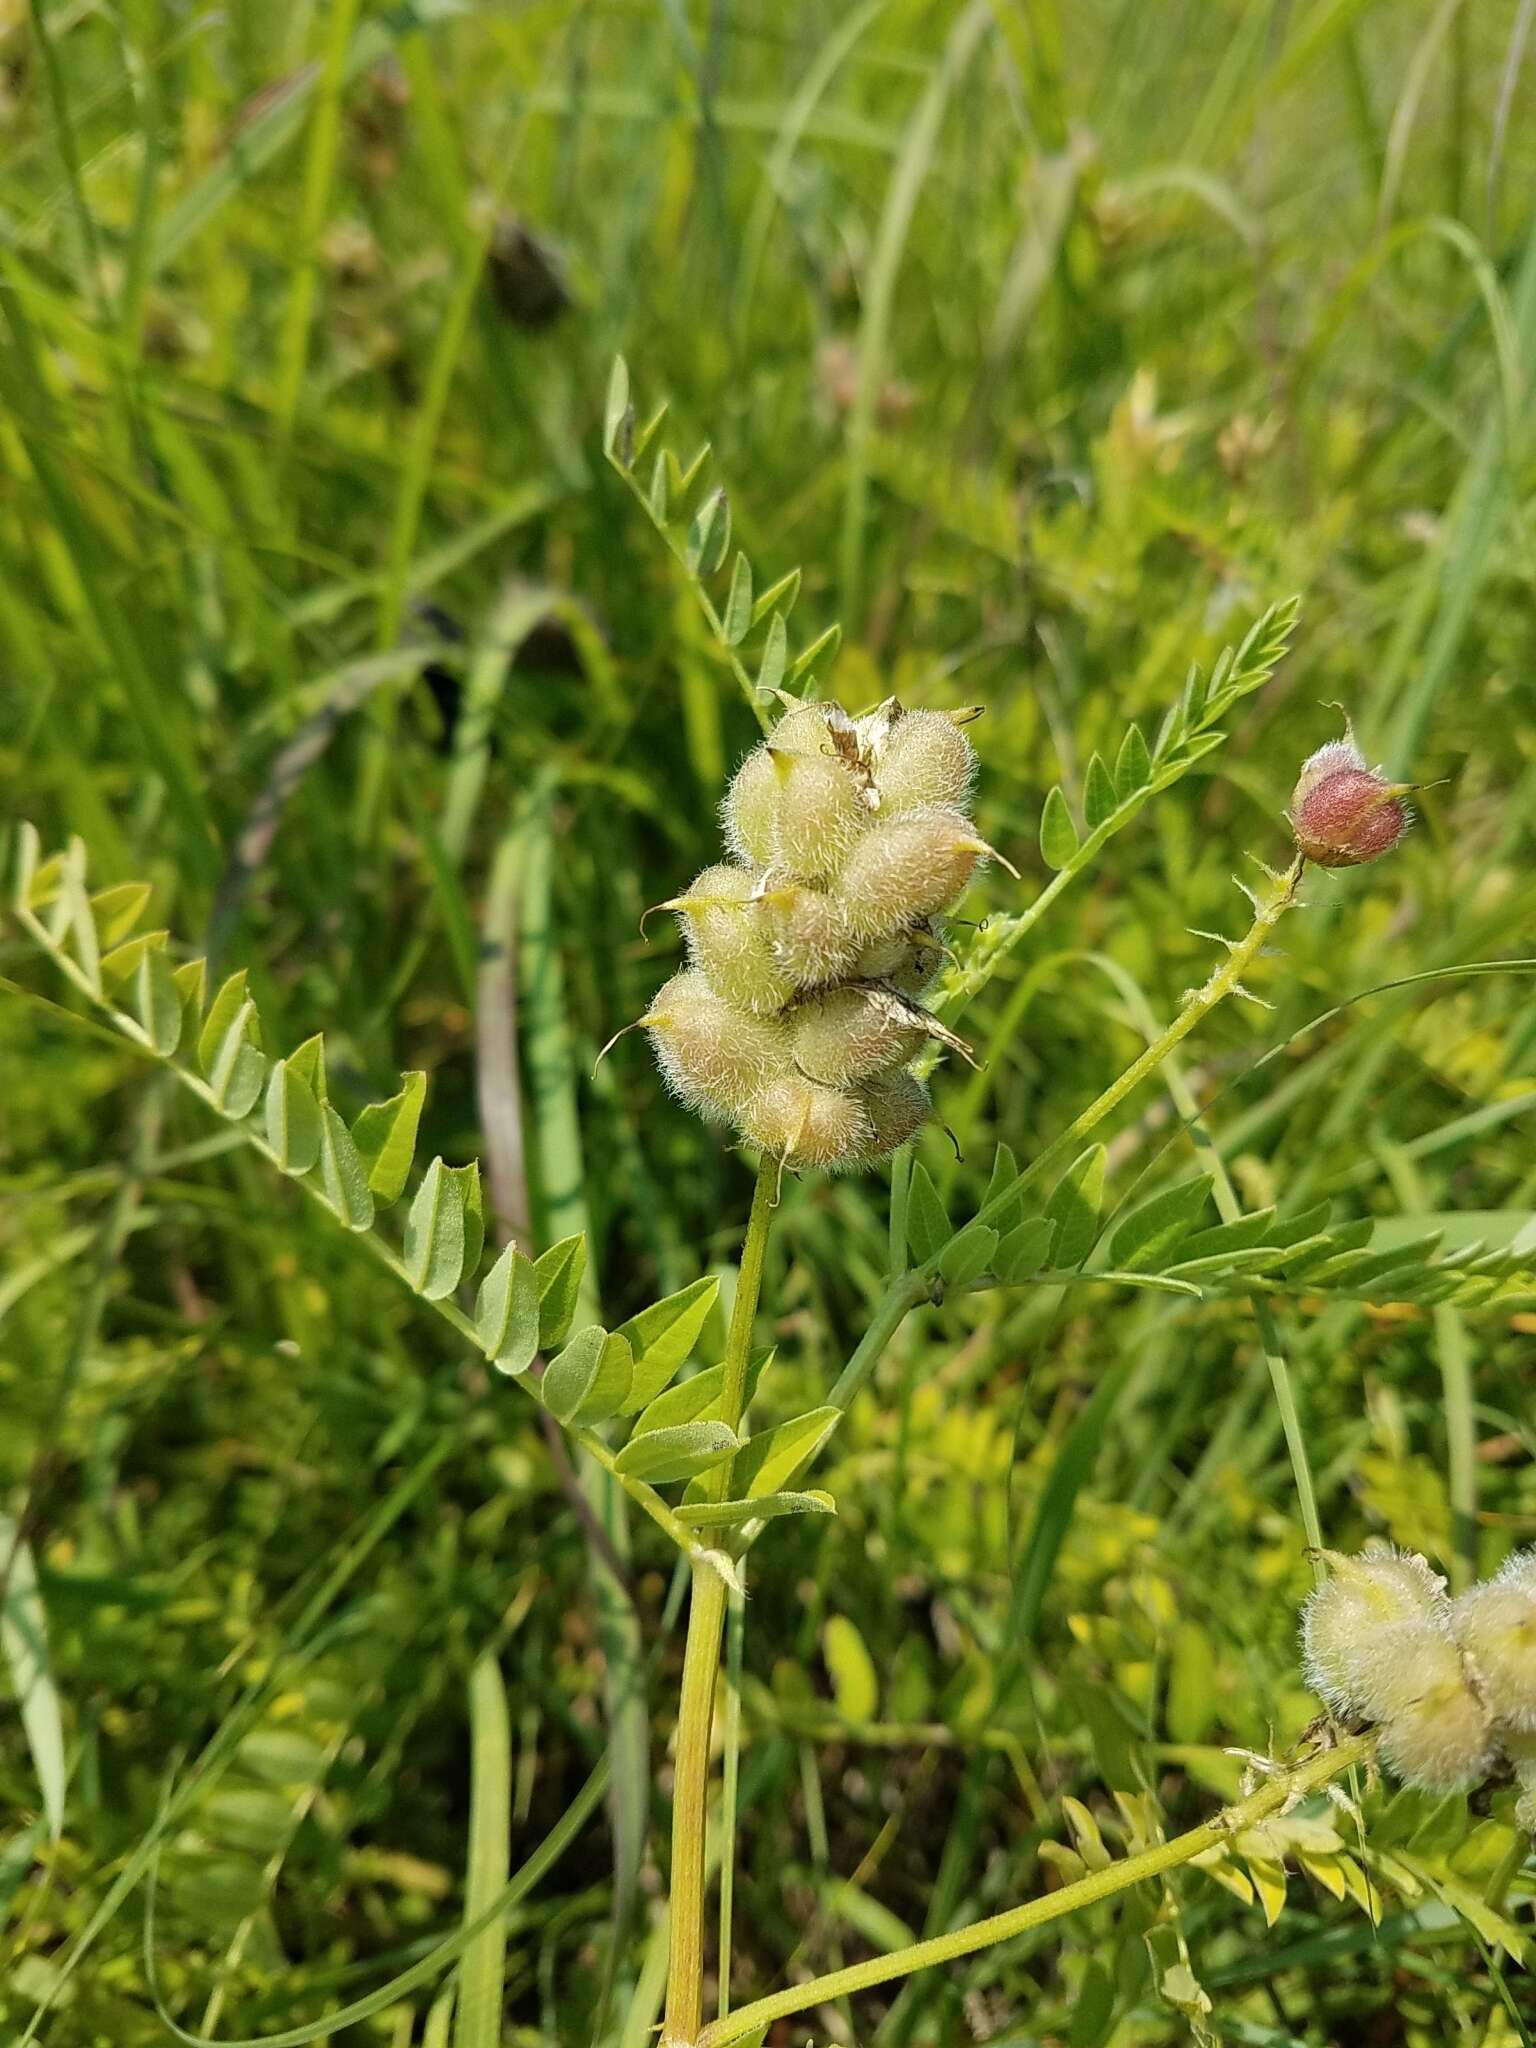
[[1053, 343]]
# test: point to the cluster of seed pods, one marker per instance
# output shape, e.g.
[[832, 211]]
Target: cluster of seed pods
[[798, 1015], [1450, 1684]]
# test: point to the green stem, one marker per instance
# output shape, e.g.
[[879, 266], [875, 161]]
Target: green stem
[[1226, 981], [1230, 1209], [701, 1664], [1276, 1793]]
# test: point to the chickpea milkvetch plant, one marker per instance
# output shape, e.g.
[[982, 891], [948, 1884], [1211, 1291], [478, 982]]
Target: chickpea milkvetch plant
[[821, 988]]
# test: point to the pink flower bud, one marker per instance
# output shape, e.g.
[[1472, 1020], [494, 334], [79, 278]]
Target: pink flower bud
[[1345, 813]]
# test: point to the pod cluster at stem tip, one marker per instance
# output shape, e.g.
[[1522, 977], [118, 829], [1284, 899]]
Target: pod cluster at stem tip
[[799, 1013], [1449, 1684]]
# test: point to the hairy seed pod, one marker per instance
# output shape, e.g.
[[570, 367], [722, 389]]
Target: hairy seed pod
[[815, 729], [1521, 1751], [1344, 812], [897, 1106], [846, 1034], [909, 961], [727, 943], [908, 868], [809, 933], [805, 1124], [820, 815], [1343, 1622], [751, 809], [714, 1057], [1434, 1730], [925, 759], [1495, 1625]]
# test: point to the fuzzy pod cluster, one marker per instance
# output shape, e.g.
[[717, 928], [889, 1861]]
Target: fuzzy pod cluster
[[1449, 1684], [799, 1012]]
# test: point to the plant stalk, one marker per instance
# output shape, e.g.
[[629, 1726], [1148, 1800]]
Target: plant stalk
[[1227, 980], [1277, 1792], [701, 1664]]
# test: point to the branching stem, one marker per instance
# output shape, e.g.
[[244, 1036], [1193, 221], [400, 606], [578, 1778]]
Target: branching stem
[[1273, 1796], [701, 1664]]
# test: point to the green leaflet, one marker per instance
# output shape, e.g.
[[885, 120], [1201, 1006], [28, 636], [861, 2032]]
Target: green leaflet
[[737, 618], [558, 1274], [662, 1336], [616, 405], [730, 1514], [1074, 1207], [589, 1379], [968, 1255], [435, 1234], [928, 1226], [468, 1178], [1133, 764], [118, 909], [1147, 1238], [769, 1461], [855, 1683], [1099, 799], [1005, 1172], [157, 1003], [308, 1062], [689, 1401], [293, 1120], [1022, 1253], [122, 963], [222, 1012], [341, 1172], [237, 1070], [1058, 834], [507, 1313], [385, 1136], [664, 1455]]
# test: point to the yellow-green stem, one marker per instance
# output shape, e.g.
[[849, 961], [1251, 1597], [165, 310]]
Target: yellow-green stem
[[1276, 1792], [1227, 980], [701, 1665]]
